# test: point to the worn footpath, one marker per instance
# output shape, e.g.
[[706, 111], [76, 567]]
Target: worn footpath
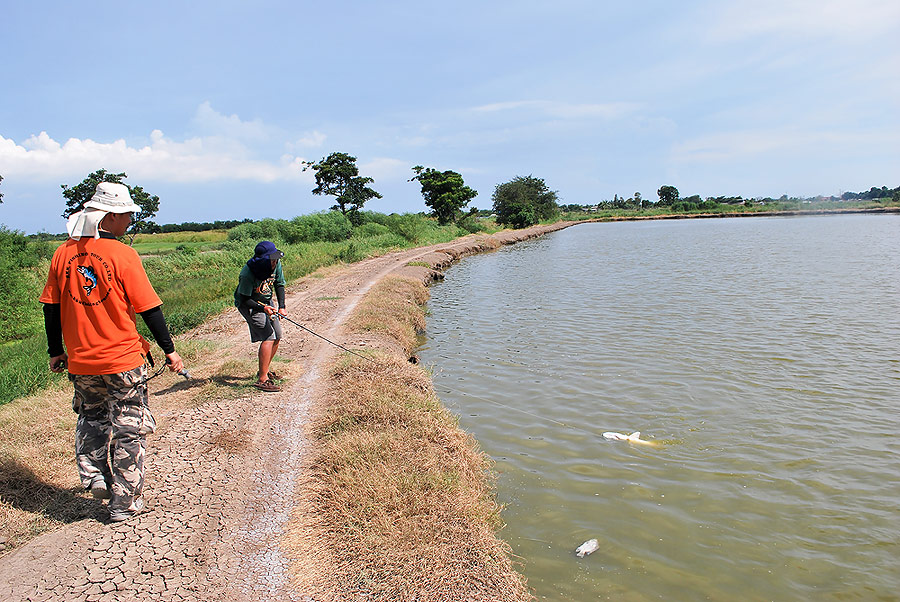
[[222, 470]]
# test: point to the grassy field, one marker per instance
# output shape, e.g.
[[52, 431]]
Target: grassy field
[[195, 274], [171, 242]]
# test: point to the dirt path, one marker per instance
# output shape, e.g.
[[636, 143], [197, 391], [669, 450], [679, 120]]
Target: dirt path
[[221, 471]]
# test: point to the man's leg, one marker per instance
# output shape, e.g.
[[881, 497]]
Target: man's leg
[[131, 423], [92, 430], [270, 352], [266, 353]]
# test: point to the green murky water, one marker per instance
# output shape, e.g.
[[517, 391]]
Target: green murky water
[[763, 354]]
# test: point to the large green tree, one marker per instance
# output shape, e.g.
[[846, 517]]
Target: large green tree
[[444, 192], [337, 175], [668, 195], [524, 201], [76, 196]]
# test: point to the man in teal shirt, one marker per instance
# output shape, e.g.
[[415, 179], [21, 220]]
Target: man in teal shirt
[[260, 277]]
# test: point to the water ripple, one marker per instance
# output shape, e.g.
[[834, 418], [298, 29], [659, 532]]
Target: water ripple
[[738, 345]]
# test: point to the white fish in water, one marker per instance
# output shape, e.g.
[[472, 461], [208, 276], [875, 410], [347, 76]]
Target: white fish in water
[[634, 437], [588, 547]]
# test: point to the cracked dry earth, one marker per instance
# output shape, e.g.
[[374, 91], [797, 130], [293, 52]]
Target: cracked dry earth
[[220, 472]]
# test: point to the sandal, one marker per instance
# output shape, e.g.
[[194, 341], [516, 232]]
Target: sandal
[[273, 376], [267, 385]]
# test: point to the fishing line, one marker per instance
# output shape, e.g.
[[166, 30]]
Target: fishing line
[[161, 369], [338, 345], [520, 410], [448, 389]]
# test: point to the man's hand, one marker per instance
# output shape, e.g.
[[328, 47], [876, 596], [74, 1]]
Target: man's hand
[[281, 311], [174, 362], [269, 310], [58, 363]]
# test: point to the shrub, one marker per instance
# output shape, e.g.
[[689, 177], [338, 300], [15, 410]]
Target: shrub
[[331, 226], [349, 253], [471, 224], [246, 232], [370, 229], [409, 226], [23, 279]]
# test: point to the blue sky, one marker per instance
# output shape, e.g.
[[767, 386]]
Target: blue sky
[[214, 105]]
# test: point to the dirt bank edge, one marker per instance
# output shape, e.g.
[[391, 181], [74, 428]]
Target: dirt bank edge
[[396, 501]]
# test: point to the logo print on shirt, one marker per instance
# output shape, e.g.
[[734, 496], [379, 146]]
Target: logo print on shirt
[[91, 278], [265, 287]]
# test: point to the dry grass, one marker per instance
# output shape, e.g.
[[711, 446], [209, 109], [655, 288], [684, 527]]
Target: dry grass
[[224, 383], [393, 308], [39, 486], [397, 500]]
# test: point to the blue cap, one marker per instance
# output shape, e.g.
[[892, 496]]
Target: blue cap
[[268, 249]]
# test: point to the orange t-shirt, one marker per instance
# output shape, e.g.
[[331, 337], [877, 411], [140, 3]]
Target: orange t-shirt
[[99, 285]]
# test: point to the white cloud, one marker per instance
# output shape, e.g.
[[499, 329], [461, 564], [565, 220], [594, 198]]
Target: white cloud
[[775, 144], [313, 139], [212, 122], [194, 159], [385, 168], [225, 150], [846, 19], [561, 110]]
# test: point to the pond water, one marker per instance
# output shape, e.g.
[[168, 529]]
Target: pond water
[[762, 355]]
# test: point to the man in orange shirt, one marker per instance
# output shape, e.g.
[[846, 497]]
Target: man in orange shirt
[[95, 287]]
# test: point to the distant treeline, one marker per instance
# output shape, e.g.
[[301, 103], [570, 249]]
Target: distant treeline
[[670, 199], [194, 226], [872, 194]]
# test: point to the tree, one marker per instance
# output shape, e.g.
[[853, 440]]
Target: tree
[[338, 176], [638, 201], [668, 195], [524, 201], [444, 192], [76, 196]]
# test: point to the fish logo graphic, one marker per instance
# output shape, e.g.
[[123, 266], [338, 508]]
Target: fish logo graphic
[[90, 276]]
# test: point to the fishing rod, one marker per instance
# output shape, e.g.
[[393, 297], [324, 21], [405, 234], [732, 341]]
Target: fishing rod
[[183, 372], [338, 345]]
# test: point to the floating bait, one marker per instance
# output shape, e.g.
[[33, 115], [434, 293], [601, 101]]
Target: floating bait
[[588, 547], [634, 437]]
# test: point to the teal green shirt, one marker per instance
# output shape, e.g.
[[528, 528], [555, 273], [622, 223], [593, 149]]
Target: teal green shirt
[[258, 290]]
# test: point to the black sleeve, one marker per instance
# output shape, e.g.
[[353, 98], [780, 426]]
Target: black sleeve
[[155, 321], [53, 327], [279, 292], [246, 301]]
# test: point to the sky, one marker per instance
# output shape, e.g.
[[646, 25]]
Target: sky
[[214, 106]]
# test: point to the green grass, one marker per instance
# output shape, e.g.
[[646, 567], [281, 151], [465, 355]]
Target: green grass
[[195, 274], [24, 368], [171, 242]]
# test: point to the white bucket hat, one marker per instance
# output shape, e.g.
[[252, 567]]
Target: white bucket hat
[[112, 198], [108, 198]]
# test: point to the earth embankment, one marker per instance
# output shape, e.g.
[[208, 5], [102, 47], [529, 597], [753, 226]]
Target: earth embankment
[[229, 467]]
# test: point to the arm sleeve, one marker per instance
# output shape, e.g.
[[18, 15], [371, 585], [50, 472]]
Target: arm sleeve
[[156, 323], [279, 292], [53, 327], [246, 301]]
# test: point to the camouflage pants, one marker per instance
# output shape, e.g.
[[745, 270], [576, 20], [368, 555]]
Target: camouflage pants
[[110, 437]]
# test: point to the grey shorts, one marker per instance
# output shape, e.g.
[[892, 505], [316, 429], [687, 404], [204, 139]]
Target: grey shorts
[[261, 327]]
